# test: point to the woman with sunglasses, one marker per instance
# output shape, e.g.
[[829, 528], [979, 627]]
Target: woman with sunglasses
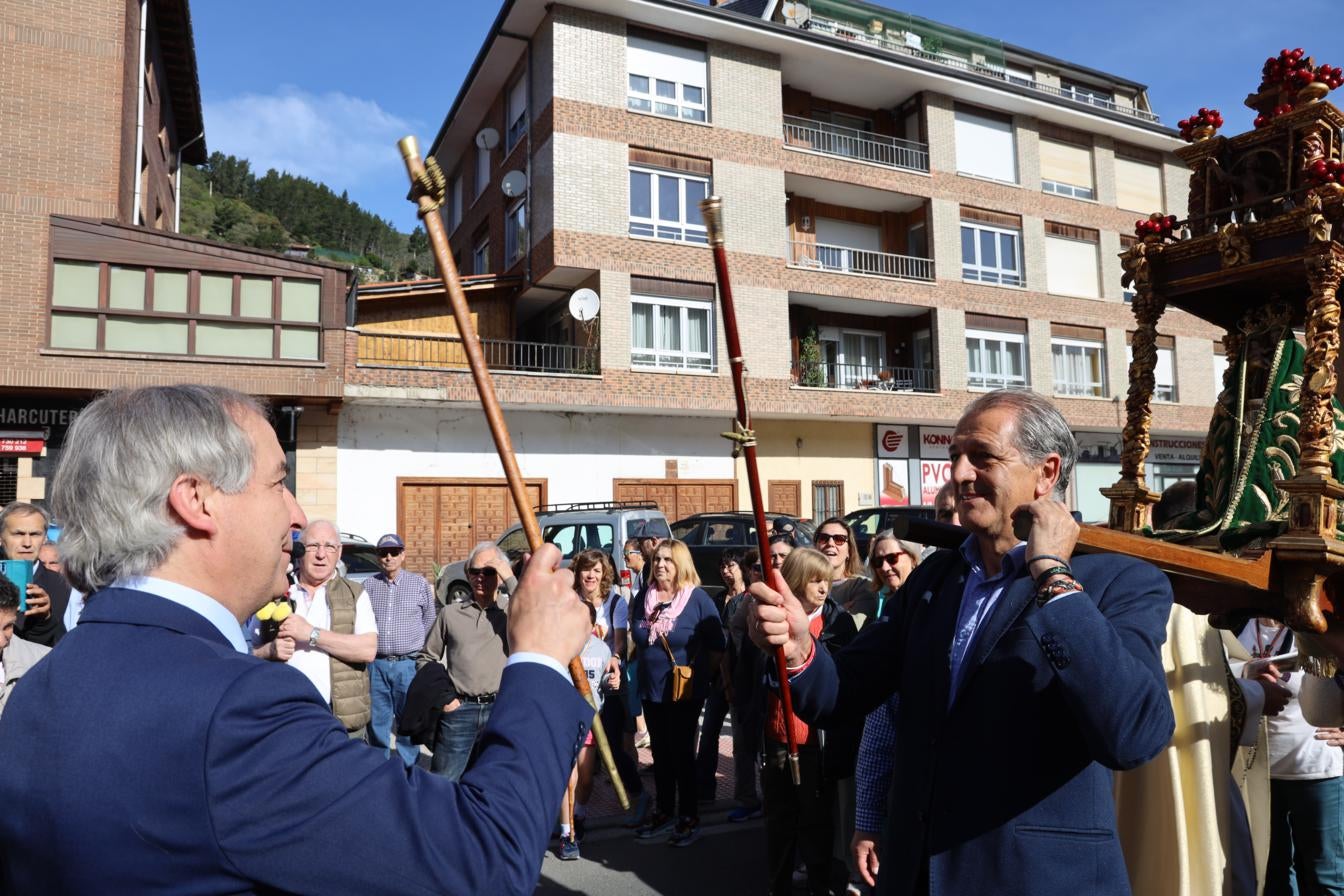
[[676, 623], [890, 561], [849, 587]]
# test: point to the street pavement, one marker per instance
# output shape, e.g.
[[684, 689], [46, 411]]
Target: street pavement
[[727, 859]]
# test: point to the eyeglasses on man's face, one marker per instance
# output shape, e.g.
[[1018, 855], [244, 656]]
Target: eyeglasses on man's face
[[482, 571], [313, 547], [389, 552]]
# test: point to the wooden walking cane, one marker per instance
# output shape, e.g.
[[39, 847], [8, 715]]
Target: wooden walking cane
[[744, 442], [427, 192]]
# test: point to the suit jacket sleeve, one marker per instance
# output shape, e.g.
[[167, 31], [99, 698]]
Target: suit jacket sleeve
[[1107, 655], [277, 763], [848, 685]]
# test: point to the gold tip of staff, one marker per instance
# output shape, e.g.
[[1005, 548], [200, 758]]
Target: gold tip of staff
[[711, 210], [409, 146]]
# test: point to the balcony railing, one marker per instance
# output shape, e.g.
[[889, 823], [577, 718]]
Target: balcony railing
[[846, 260], [851, 143], [822, 375], [448, 353], [896, 42]]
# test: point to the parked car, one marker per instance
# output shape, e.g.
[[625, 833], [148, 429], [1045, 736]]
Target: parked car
[[708, 534], [604, 525], [869, 521], [359, 559]]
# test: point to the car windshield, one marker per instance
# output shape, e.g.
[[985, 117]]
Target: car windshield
[[359, 558]]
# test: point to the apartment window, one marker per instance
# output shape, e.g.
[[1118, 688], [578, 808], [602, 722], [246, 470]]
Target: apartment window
[[996, 352], [455, 203], [991, 248], [1138, 181], [985, 145], [1079, 355], [1084, 94], [515, 114], [1127, 241], [1020, 74], [1164, 373], [666, 205], [515, 233], [667, 78], [1220, 365], [482, 170], [1072, 260], [851, 357], [1066, 166], [848, 246], [828, 500], [480, 256], [156, 312], [671, 333]]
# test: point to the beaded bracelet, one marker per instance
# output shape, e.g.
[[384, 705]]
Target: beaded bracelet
[[1051, 590], [1060, 560]]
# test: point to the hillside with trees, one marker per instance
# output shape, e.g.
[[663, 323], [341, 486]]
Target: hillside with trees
[[224, 200]]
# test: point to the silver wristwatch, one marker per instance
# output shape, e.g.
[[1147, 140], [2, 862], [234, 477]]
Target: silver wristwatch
[[312, 638]]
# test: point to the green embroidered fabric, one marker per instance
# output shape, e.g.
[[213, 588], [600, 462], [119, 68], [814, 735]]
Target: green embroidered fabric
[[1252, 444]]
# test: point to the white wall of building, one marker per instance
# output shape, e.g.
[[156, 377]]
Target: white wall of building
[[578, 454]]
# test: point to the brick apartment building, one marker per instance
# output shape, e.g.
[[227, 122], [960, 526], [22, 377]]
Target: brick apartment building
[[101, 107], [913, 214]]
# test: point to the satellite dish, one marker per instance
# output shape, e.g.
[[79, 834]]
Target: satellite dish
[[583, 305], [514, 184], [796, 14], [488, 138]]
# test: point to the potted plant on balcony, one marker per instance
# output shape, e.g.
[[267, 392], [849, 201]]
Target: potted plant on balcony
[[810, 372]]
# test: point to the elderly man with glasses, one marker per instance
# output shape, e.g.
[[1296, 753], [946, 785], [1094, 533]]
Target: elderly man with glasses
[[331, 636], [470, 639], [403, 609]]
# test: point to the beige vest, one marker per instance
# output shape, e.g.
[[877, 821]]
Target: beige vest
[[349, 681]]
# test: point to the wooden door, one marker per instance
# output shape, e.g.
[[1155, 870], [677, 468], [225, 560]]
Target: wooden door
[[785, 497], [679, 498], [443, 519]]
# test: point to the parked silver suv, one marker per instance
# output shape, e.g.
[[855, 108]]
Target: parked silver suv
[[604, 525]]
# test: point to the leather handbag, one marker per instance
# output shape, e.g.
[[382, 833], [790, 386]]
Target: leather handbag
[[681, 675]]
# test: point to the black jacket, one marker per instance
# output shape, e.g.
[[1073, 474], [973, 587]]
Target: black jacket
[[430, 691]]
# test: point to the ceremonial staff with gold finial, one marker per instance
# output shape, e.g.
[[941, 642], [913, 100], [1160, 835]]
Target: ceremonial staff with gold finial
[[427, 192], [744, 444]]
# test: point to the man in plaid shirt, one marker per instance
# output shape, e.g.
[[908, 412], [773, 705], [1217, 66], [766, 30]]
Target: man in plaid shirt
[[403, 607]]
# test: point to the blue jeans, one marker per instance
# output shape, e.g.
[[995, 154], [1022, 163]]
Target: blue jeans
[[1306, 838], [388, 681], [459, 731]]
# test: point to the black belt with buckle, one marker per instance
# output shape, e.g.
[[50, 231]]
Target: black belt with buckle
[[482, 698]]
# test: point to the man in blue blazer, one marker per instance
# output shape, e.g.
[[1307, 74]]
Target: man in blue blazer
[[1025, 677], [151, 753]]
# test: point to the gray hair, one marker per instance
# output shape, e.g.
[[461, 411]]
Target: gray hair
[[23, 508], [1040, 430], [481, 548], [122, 454], [317, 524]]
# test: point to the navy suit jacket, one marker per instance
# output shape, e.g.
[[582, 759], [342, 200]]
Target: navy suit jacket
[[146, 755], [1008, 789]]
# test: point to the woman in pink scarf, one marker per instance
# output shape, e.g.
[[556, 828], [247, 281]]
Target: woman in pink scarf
[[676, 622]]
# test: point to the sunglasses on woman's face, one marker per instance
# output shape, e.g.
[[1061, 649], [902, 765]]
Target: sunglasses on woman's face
[[888, 559], [837, 537]]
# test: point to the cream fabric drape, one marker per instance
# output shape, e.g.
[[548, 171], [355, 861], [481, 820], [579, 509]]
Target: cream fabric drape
[[1177, 816]]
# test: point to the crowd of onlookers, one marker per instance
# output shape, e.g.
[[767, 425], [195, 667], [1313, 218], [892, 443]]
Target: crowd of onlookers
[[667, 664]]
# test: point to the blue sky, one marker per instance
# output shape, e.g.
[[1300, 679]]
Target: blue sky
[[325, 89]]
